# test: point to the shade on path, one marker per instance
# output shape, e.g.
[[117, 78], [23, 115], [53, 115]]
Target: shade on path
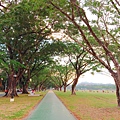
[[51, 108]]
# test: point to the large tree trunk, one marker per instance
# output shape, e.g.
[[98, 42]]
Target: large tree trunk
[[65, 86], [60, 88], [118, 95], [35, 87], [11, 89], [74, 85], [25, 83], [117, 83], [41, 87], [25, 87], [117, 90]]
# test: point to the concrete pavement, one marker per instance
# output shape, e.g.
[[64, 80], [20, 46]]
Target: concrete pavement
[[50, 108]]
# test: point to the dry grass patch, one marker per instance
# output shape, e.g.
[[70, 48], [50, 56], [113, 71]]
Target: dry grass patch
[[19, 108], [91, 106]]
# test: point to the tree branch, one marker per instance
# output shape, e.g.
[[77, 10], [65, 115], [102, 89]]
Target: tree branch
[[115, 5]]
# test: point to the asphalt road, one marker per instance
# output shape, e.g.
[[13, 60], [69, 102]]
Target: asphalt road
[[2, 94], [50, 108]]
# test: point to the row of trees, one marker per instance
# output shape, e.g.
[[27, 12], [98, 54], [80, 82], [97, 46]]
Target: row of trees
[[24, 31], [28, 48], [91, 31], [95, 26]]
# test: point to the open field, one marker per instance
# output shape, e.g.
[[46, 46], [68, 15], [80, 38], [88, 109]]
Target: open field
[[91, 105], [19, 108]]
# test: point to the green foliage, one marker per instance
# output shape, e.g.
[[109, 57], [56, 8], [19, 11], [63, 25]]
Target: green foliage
[[81, 60], [17, 64], [22, 31], [61, 74], [26, 28], [96, 26]]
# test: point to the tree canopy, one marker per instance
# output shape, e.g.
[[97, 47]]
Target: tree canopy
[[27, 41], [97, 24]]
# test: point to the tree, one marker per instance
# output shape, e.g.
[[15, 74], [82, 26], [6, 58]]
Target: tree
[[40, 60], [56, 80], [81, 61], [100, 34], [23, 28], [63, 73], [40, 79]]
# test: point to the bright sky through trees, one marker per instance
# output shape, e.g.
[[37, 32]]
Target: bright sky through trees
[[97, 78]]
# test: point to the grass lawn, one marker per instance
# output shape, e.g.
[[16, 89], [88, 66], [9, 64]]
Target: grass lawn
[[91, 105], [20, 108]]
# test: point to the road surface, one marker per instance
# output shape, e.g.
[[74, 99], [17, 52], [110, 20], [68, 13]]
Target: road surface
[[50, 108]]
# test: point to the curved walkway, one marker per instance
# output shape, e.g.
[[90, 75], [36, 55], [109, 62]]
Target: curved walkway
[[51, 108]]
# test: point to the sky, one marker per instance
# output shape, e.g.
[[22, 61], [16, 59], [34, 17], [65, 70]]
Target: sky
[[96, 78]]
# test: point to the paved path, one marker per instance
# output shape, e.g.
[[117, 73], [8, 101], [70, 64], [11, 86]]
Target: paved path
[[51, 108]]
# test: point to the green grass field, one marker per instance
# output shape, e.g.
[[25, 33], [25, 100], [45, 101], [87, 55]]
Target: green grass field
[[85, 105], [91, 105], [19, 108]]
